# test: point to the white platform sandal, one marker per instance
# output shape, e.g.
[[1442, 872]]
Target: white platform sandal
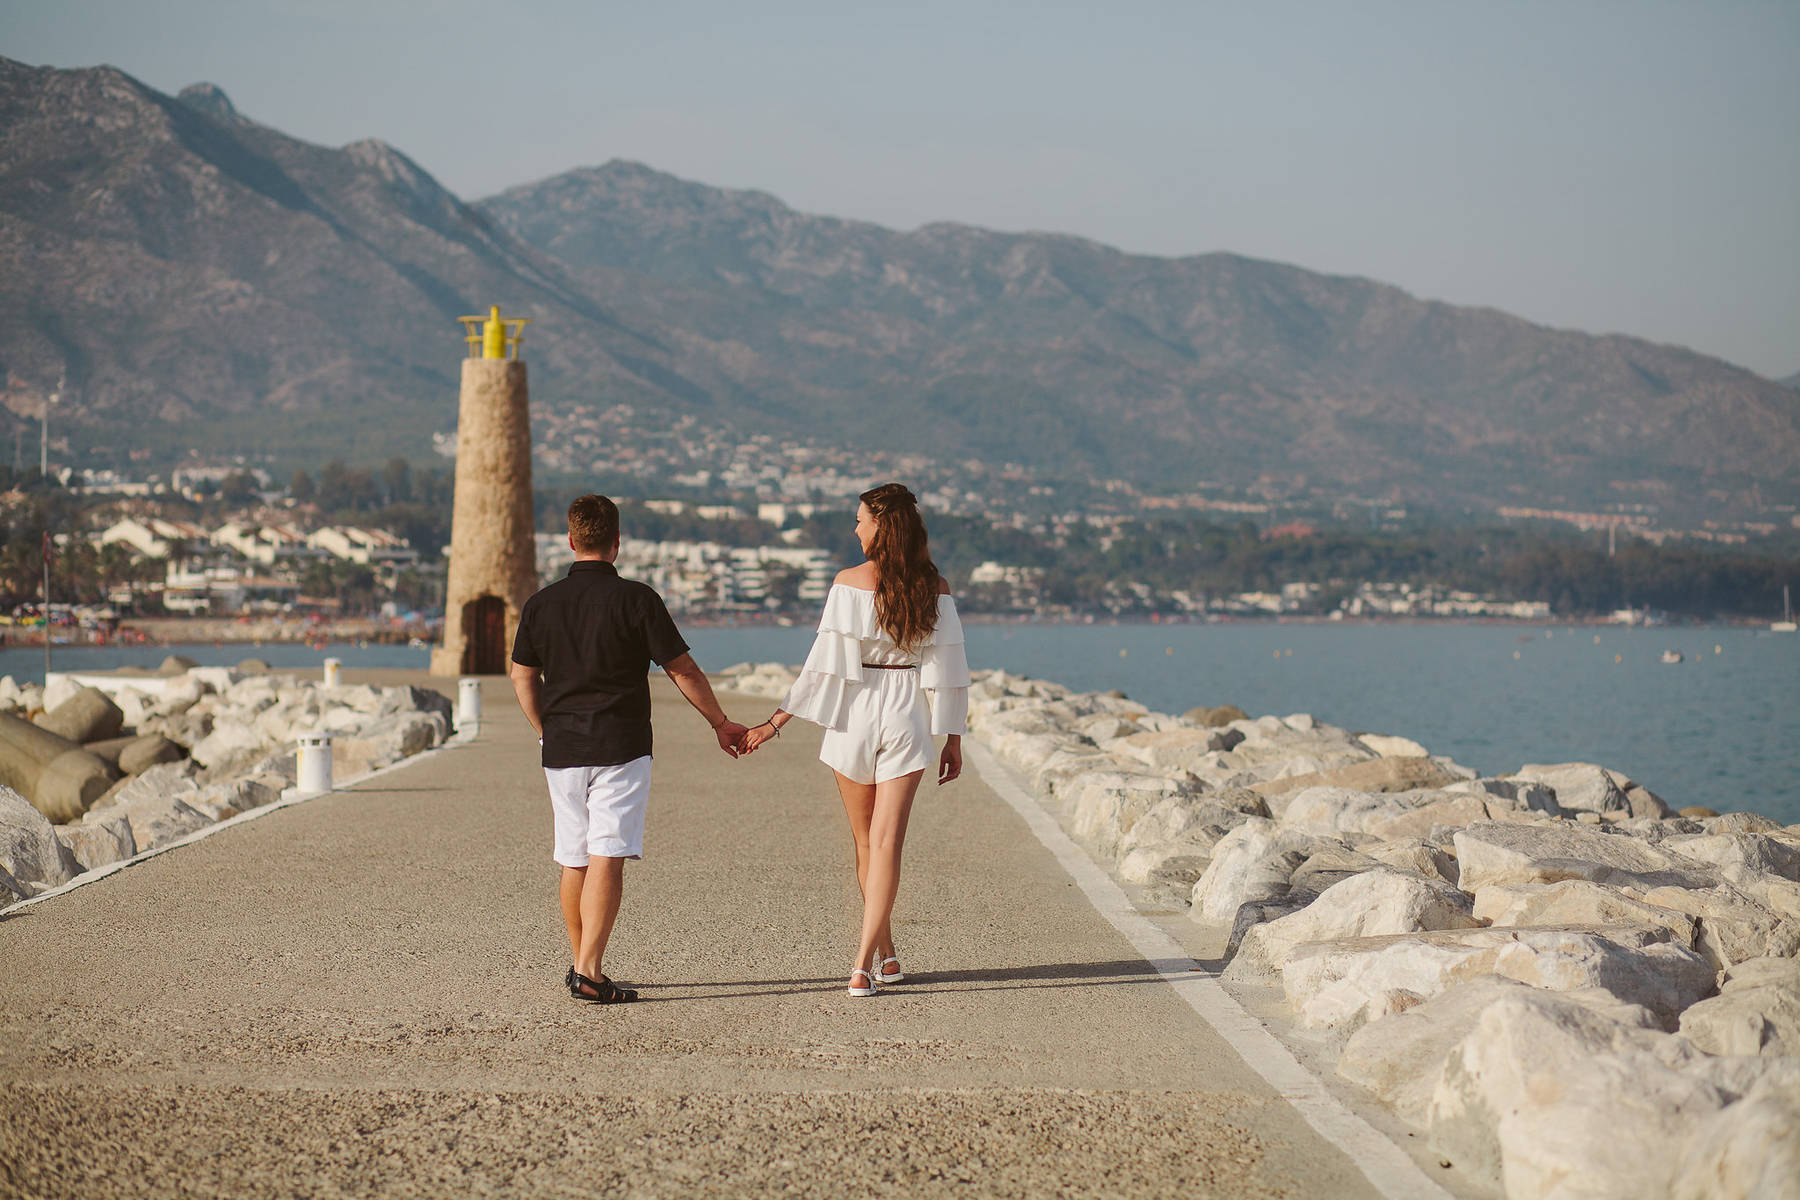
[[863, 991], [885, 976]]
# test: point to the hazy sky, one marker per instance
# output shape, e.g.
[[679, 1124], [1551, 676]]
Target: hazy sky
[[1625, 166]]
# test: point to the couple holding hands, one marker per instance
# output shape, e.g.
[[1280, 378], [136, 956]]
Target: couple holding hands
[[886, 674]]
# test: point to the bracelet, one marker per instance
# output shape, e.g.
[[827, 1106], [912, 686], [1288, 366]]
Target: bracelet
[[776, 729], [726, 721]]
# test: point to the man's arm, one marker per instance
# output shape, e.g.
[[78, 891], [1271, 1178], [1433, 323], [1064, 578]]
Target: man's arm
[[528, 686], [698, 689]]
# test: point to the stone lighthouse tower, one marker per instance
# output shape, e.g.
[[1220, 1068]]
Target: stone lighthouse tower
[[493, 559]]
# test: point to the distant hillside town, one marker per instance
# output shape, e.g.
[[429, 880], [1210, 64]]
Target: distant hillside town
[[759, 534]]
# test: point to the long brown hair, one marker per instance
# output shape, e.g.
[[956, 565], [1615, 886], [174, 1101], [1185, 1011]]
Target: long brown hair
[[906, 580]]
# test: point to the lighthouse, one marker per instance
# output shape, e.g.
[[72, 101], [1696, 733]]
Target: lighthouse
[[493, 557]]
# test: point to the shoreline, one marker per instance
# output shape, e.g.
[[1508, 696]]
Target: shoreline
[[221, 631]]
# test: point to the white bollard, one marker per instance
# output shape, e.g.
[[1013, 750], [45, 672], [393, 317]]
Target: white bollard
[[468, 704], [333, 668], [313, 763]]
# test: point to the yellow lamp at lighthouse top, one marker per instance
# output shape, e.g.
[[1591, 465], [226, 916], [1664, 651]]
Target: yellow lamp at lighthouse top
[[494, 336]]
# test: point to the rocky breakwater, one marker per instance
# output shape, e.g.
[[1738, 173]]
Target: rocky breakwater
[[89, 777], [1570, 989]]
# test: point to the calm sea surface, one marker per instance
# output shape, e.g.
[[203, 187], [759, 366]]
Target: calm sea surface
[[1720, 728]]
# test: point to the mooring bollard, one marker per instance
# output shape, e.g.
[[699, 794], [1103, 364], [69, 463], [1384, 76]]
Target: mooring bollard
[[333, 668], [313, 762], [468, 703]]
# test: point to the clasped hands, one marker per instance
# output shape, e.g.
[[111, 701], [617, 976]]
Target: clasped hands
[[738, 740]]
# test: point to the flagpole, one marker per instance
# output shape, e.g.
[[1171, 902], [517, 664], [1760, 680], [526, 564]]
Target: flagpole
[[46, 607]]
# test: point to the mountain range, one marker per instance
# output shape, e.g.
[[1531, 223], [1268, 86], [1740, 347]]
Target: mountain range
[[198, 281]]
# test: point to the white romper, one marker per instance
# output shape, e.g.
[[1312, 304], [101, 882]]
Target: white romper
[[879, 724]]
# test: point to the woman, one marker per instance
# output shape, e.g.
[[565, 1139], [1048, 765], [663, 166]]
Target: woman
[[886, 674]]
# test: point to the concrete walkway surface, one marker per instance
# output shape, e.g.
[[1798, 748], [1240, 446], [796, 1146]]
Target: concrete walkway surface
[[362, 995]]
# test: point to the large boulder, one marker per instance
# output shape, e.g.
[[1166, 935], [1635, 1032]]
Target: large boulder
[[1452, 810], [1756, 1012], [386, 741], [229, 741], [1254, 862], [1332, 810], [1511, 853], [1375, 902], [29, 850], [1577, 903], [1373, 775], [1777, 855], [1566, 1104], [1178, 833], [1174, 750], [142, 753], [1747, 1151], [87, 716], [1400, 1057], [60, 779], [1223, 714], [1344, 984], [1415, 855], [99, 843], [1387, 746], [1733, 926], [1583, 787], [1104, 806]]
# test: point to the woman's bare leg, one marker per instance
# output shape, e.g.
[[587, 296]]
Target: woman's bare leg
[[881, 880]]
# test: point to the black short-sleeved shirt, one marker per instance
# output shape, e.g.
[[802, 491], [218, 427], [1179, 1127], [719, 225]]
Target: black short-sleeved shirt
[[594, 635]]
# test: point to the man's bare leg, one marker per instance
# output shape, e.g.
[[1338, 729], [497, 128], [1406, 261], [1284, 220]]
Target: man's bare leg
[[569, 892], [600, 895]]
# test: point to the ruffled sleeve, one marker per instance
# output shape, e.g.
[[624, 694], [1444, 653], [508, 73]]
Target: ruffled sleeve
[[944, 672], [833, 669]]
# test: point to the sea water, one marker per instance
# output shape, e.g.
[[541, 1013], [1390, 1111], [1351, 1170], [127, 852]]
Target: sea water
[[1721, 728]]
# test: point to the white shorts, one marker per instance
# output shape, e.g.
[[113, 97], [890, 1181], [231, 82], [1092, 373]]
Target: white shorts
[[888, 733], [599, 811]]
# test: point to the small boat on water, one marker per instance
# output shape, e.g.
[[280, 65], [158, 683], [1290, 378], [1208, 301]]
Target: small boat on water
[[1786, 624], [1671, 656]]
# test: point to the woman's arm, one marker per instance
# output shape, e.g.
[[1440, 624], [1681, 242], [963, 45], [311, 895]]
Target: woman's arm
[[767, 731]]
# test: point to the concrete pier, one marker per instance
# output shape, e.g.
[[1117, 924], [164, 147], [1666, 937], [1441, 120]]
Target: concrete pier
[[362, 995]]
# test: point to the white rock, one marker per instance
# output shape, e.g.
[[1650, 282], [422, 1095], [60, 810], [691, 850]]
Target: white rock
[[57, 689], [1385, 746], [387, 741], [163, 781], [1174, 750], [1337, 810], [1733, 926], [1452, 811], [1756, 1013], [228, 741], [159, 820], [1343, 984], [1373, 903], [1749, 1150], [1577, 902], [1565, 1104], [1415, 855], [1771, 855], [1517, 794], [1253, 862], [1400, 1057], [1103, 806], [1510, 853], [29, 849], [100, 842], [1580, 786]]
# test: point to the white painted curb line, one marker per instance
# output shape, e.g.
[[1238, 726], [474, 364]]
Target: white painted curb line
[[288, 799], [1387, 1167]]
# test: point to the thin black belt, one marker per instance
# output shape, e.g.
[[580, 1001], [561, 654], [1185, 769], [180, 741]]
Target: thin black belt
[[891, 666]]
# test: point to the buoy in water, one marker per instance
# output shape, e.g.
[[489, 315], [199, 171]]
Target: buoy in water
[[1515, 654], [1123, 652], [1618, 658]]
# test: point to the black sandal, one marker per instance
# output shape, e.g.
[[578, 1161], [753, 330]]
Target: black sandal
[[599, 991]]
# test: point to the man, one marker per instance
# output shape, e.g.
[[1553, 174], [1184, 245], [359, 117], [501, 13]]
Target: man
[[580, 667]]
